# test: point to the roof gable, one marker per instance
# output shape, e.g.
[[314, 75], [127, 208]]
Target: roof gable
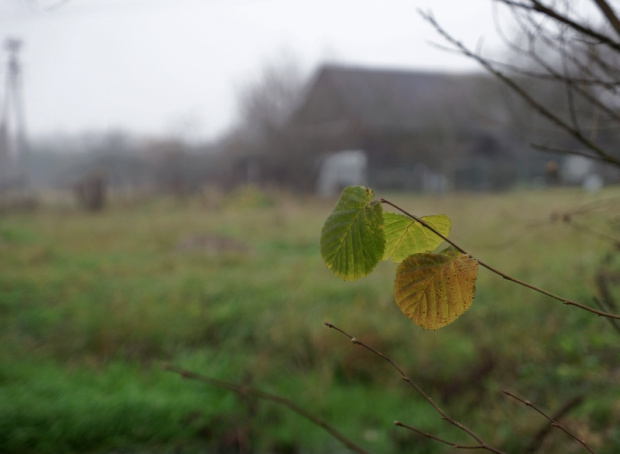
[[389, 99]]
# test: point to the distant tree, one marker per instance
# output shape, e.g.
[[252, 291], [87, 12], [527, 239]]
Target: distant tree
[[265, 103], [266, 149]]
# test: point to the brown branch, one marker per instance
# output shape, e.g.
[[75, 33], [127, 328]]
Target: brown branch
[[568, 220], [553, 42], [572, 110], [602, 282], [570, 80], [500, 273], [552, 421], [607, 300], [577, 83], [609, 14], [539, 438], [538, 7], [524, 94], [551, 75], [408, 380], [604, 306], [567, 151], [436, 438], [595, 206], [247, 391]]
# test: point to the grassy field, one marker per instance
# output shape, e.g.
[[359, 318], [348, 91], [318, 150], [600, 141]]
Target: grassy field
[[233, 287]]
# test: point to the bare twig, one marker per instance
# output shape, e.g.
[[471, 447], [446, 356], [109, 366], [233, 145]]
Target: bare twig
[[539, 438], [549, 149], [408, 380], [570, 89], [607, 300], [500, 273], [600, 205], [568, 220], [551, 75], [538, 7], [614, 323], [571, 82], [552, 421], [247, 391], [436, 438], [604, 155], [609, 13]]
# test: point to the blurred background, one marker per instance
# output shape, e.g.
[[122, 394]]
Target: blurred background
[[165, 170]]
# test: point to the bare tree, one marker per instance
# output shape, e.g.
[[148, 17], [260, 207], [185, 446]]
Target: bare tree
[[265, 104], [566, 47], [267, 149]]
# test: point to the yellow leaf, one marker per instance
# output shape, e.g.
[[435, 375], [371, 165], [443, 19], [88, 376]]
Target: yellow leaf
[[405, 236], [433, 290]]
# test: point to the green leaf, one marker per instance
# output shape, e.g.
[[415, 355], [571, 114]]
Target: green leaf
[[435, 289], [352, 240], [404, 236]]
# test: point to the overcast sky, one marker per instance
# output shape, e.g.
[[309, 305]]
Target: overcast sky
[[173, 66]]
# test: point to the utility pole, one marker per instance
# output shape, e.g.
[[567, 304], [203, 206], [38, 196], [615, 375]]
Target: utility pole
[[12, 126]]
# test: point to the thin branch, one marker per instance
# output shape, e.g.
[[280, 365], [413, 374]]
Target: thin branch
[[551, 75], [408, 380], [572, 110], [247, 391], [587, 67], [436, 438], [549, 149], [576, 85], [614, 323], [553, 422], [523, 94], [538, 7], [500, 273], [609, 13], [603, 279], [553, 41], [568, 219], [539, 438], [596, 206]]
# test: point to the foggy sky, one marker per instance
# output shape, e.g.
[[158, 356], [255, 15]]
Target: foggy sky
[[172, 66]]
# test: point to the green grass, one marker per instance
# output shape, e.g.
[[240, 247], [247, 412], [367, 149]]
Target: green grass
[[92, 305]]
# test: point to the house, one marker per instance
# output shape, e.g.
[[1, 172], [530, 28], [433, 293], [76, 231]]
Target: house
[[424, 131]]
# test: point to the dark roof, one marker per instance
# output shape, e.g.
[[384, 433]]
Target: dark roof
[[384, 99]]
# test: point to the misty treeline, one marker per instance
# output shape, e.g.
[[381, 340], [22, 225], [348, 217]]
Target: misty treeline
[[126, 162], [256, 150]]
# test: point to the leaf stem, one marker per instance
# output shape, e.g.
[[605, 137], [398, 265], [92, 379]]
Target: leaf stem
[[566, 301]]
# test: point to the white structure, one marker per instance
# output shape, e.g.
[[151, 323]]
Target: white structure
[[583, 171], [341, 169]]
